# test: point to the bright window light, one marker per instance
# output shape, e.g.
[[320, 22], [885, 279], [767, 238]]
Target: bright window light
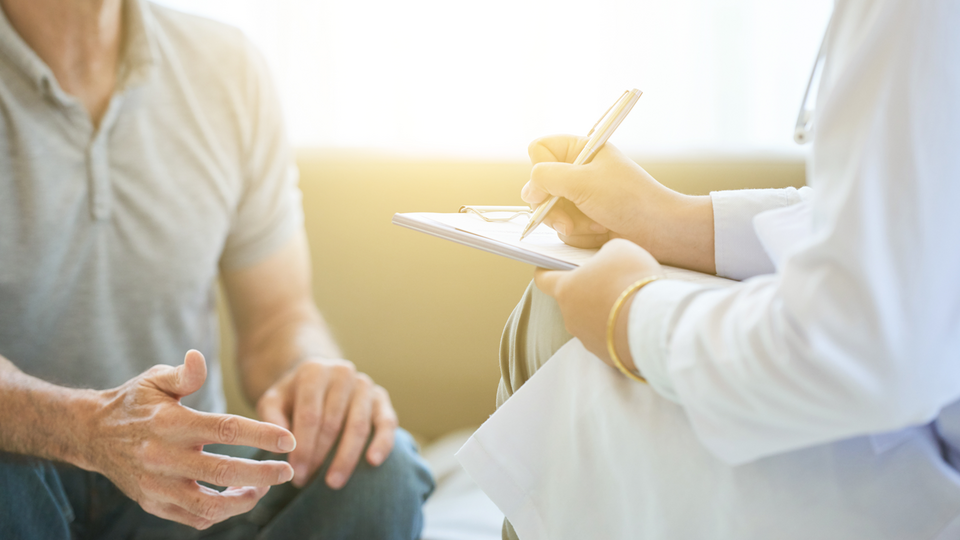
[[442, 78]]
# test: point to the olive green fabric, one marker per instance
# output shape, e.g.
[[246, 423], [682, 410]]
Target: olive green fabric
[[533, 333]]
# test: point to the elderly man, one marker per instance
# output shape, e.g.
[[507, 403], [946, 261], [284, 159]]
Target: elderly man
[[142, 154]]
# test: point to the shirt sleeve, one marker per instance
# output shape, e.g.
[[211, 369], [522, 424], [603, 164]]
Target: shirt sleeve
[[739, 253], [270, 210], [858, 332]]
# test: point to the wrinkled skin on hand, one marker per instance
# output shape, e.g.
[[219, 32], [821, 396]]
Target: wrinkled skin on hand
[[151, 446], [321, 400]]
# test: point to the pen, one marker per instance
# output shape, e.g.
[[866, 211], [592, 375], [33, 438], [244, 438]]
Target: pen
[[608, 124]]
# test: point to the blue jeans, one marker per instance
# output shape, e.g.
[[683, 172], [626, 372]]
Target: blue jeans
[[42, 500]]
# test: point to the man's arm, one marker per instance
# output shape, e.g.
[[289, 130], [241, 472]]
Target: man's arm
[[277, 322], [292, 369], [41, 419]]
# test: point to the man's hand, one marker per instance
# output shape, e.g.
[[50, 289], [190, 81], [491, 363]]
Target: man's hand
[[587, 294], [151, 447], [323, 400], [613, 197]]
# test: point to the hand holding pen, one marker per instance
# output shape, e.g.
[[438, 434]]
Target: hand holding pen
[[597, 137], [613, 197]]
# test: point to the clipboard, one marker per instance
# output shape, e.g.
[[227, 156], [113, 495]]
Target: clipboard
[[496, 229]]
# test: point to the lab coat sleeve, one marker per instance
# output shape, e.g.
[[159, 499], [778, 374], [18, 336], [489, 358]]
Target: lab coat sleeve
[[859, 331], [738, 252]]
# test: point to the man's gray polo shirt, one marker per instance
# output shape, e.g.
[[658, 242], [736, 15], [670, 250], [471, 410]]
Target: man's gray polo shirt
[[111, 239]]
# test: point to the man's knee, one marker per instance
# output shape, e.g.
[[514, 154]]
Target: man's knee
[[402, 480], [32, 501], [532, 335], [389, 499], [382, 502]]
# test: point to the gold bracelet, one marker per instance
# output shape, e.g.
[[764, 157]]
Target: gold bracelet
[[612, 326]]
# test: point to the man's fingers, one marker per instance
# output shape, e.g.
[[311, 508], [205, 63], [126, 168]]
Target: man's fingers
[[172, 512], [273, 408], [190, 503], [239, 431], [384, 428], [183, 380], [356, 431], [227, 471], [310, 391], [563, 148], [214, 506], [339, 392]]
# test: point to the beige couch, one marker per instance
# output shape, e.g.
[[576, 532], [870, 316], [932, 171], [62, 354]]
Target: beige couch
[[422, 315]]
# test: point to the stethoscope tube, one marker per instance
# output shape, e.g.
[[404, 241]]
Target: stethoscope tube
[[803, 132]]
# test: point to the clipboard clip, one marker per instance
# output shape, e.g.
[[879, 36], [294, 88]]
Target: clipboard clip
[[481, 211]]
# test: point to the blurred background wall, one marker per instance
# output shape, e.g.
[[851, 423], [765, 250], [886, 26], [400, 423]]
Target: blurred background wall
[[479, 80]]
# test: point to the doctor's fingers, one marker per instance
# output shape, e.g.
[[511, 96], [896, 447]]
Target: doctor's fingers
[[562, 178], [556, 179], [586, 241], [574, 227], [577, 183], [563, 148], [549, 281]]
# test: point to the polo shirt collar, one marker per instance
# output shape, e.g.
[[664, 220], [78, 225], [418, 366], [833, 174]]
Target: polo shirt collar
[[22, 56], [141, 52], [141, 49]]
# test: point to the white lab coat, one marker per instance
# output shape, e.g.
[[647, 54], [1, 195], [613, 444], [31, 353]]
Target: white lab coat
[[818, 398], [858, 331]]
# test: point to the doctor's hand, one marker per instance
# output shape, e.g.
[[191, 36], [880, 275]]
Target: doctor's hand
[[613, 197], [151, 447], [321, 400], [587, 294]]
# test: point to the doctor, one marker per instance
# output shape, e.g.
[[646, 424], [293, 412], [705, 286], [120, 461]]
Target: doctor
[[842, 342]]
